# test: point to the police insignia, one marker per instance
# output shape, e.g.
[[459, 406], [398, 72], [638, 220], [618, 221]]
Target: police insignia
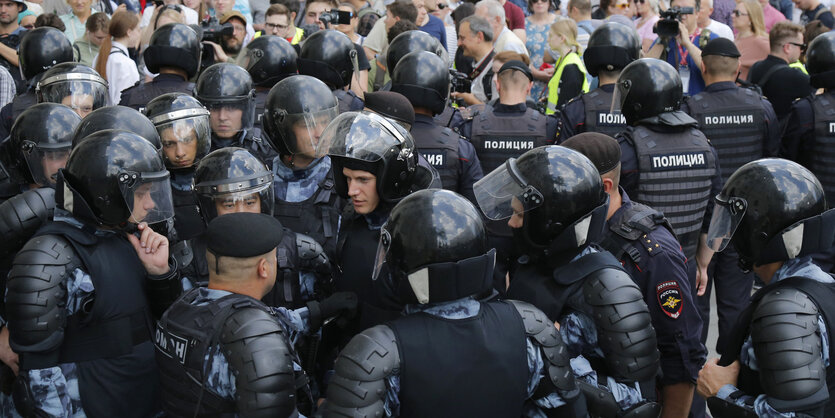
[[669, 298]]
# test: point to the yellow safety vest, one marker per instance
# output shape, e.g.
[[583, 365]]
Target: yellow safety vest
[[799, 65], [297, 37], [554, 85]]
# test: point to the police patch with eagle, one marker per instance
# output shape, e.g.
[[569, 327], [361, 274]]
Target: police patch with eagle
[[669, 298]]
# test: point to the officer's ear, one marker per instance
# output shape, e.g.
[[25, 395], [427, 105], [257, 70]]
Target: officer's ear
[[608, 184]]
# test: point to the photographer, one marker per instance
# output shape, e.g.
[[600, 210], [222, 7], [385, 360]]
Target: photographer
[[682, 49], [230, 44]]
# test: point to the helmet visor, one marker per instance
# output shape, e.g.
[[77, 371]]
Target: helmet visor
[[306, 129], [622, 89], [255, 201], [363, 136], [148, 196], [382, 251], [82, 95], [233, 113], [248, 58], [505, 192], [44, 162], [727, 214], [184, 141]]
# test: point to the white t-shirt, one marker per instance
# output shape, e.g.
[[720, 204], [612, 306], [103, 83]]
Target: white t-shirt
[[121, 71], [508, 41], [721, 29]]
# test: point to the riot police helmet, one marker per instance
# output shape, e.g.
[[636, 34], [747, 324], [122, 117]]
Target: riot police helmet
[[227, 86], [423, 78], [75, 85], [296, 113], [42, 48], [230, 179], [413, 41], [174, 45], [116, 117], [434, 246], [647, 87], [43, 135], [771, 210], [269, 59], [328, 55], [612, 46], [820, 61], [183, 127], [117, 179]]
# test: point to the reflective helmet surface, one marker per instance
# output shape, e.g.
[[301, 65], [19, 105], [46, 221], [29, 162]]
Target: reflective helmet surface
[[183, 126], [232, 176]]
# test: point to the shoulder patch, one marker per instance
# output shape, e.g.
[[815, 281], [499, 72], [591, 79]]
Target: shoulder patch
[[669, 298]]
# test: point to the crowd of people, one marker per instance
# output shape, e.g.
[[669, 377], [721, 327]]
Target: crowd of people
[[417, 208]]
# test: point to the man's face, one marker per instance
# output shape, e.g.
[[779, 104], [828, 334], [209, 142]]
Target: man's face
[[803, 4], [180, 148], [232, 44], [704, 13], [390, 20], [690, 21], [421, 8], [82, 104], [362, 189], [80, 6], [314, 10], [346, 29], [518, 218], [97, 37], [468, 41], [221, 7], [249, 204], [8, 12], [226, 121], [52, 161], [795, 51], [278, 25], [307, 138], [481, 11], [142, 203]]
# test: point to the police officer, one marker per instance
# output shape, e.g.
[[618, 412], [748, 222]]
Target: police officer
[[212, 342], [557, 206], [667, 163], [183, 127], [226, 90], [75, 85], [330, 56], [423, 78], [39, 50], [402, 45], [775, 213], [117, 117], [297, 110], [268, 59], [100, 273], [173, 53], [742, 126], [644, 243], [435, 248], [612, 46]]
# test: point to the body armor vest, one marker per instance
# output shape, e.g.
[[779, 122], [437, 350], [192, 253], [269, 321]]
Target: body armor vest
[[497, 137], [137, 97], [316, 217], [187, 220], [598, 116], [822, 159], [638, 220], [348, 101], [439, 146]]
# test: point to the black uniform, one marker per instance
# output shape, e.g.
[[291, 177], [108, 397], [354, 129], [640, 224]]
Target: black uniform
[[784, 85], [590, 113], [10, 112], [138, 96], [453, 157]]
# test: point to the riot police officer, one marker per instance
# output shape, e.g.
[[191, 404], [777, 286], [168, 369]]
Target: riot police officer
[[116, 117], [439, 263], [39, 50], [402, 45], [330, 56], [557, 208], [612, 46], [297, 110], [183, 127], [667, 163], [644, 243], [423, 78], [173, 53], [100, 273], [742, 126], [268, 59], [226, 90], [75, 85], [775, 213]]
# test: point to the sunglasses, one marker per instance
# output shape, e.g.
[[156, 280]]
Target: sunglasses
[[737, 13], [801, 46], [622, 6]]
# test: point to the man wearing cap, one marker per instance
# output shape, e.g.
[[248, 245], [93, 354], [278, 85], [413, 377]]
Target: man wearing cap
[[742, 126], [643, 241]]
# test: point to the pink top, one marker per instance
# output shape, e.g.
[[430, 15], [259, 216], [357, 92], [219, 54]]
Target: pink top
[[771, 16], [645, 31], [753, 49]]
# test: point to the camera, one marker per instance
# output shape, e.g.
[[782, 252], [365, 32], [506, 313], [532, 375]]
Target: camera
[[667, 26], [335, 16], [212, 31], [460, 82]]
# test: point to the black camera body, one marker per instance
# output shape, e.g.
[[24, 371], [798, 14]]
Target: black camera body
[[335, 16], [212, 31], [459, 82], [667, 26]]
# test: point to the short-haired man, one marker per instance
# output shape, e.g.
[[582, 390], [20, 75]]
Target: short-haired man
[[279, 21], [314, 9], [87, 46], [580, 12], [504, 39], [232, 44], [475, 39], [377, 41], [814, 10], [705, 22], [779, 82], [10, 34]]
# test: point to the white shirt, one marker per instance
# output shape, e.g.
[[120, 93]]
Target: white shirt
[[477, 88], [121, 71], [721, 29], [508, 41], [188, 13]]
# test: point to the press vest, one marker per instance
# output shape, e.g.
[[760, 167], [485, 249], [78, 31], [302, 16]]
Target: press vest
[[554, 85]]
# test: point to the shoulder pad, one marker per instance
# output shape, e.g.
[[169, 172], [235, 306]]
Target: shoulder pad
[[539, 327], [22, 215], [358, 387], [784, 333], [311, 254], [624, 325], [637, 221], [36, 293]]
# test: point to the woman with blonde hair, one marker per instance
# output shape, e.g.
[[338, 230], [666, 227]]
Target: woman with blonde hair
[[570, 78], [648, 12], [113, 61], [751, 37]]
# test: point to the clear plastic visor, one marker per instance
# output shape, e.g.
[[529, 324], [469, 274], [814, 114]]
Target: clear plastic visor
[[82, 96], [727, 214], [184, 141], [361, 136], [503, 192], [382, 251], [307, 129], [44, 162], [619, 95], [148, 196]]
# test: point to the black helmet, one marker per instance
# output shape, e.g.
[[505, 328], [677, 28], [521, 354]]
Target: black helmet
[[183, 127], [820, 61], [647, 87], [117, 117], [41, 48], [772, 210], [369, 142], [423, 78], [43, 134], [299, 102], [269, 59], [174, 45], [232, 174], [116, 178], [413, 41], [612, 46], [227, 85], [328, 55], [560, 193], [75, 85], [434, 245]]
